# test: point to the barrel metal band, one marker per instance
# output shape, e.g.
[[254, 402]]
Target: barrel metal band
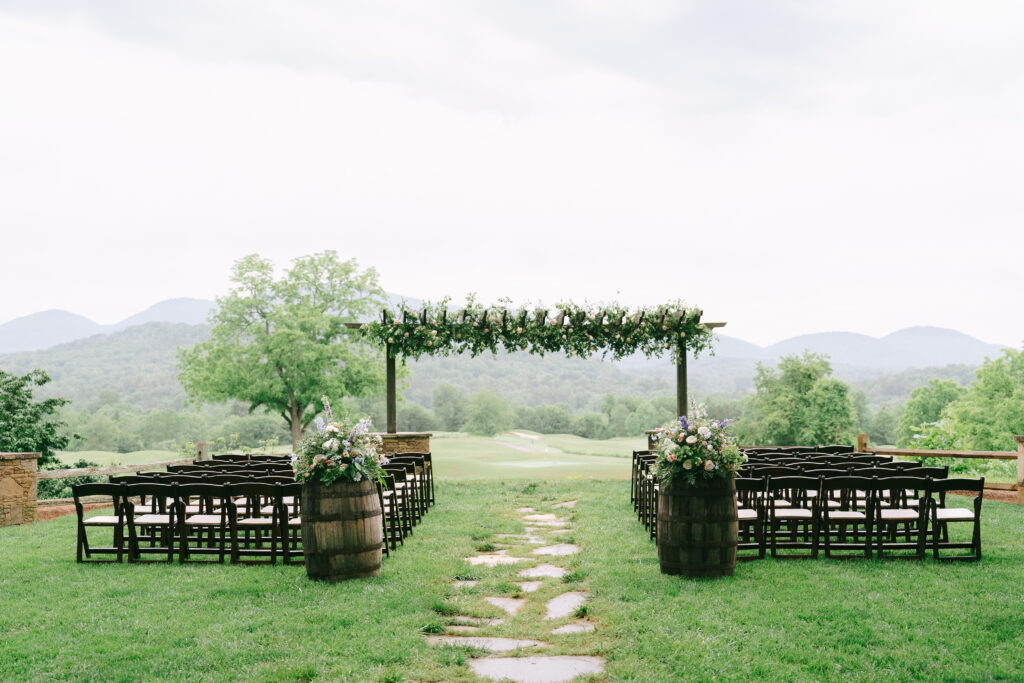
[[698, 545], [347, 551], [350, 517]]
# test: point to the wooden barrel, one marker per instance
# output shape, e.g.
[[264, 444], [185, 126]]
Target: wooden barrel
[[342, 534], [698, 528]]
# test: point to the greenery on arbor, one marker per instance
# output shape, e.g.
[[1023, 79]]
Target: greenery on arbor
[[799, 404], [28, 425], [282, 343], [576, 330]]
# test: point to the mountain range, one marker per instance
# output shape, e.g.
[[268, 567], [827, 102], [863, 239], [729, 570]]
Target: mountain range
[[913, 347]]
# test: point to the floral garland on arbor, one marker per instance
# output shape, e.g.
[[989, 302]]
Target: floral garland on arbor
[[576, 330]]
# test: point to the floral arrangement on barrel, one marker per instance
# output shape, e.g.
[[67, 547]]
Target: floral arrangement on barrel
[[339, 451], [696, 450]]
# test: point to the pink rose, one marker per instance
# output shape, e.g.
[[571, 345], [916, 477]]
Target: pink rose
[[708, 465], [671, 457]]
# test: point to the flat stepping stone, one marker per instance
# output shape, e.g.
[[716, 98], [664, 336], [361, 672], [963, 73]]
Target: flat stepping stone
[[525, 510], [494, 559], [536, 669], [566, 504], [553, 524], [464, 584], [462, 628], [575, 627], [543, 570], [489, 644], [541, 518], [564, 605], [510, 605], [529, 586], [476, 621], [560, 550]]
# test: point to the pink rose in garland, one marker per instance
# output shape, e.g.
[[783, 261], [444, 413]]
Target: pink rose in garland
[[696, 449]]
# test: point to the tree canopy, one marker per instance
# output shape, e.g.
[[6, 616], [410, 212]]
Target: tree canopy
[[800, 404], [926, 406], [282, 343], [27, 425], [991, 411]]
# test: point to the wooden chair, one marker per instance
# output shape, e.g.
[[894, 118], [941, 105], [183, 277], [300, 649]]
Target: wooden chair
[[116, 521], [799, 513], [392, 521], [259, 517], [416, 469], [153, 522], [291, 532], [750, 510], [942, 516], [403, 497], [210, 524], [892, 512], [839, 510], [429, 471]]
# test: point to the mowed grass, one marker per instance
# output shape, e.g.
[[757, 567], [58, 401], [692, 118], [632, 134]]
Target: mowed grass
[[105, 458], [523, 455], [776, 619]]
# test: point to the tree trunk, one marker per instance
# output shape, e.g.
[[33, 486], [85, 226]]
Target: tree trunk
[[295, 418]]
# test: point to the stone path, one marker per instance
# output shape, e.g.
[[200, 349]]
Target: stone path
[[542, 588]]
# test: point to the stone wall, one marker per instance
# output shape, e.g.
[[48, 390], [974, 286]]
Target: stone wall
[[406, 442], [17, 488]]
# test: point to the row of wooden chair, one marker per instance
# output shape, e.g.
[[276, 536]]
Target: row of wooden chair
[[872, 515], [147, 519], [834, 449], [774, 508]]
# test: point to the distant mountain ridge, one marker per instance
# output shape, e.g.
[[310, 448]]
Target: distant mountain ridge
[[47, 329]]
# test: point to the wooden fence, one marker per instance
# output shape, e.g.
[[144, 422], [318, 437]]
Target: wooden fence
[[1018, 455]]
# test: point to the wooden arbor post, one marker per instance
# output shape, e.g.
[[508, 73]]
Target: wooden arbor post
[[681, 398], [392, 398]]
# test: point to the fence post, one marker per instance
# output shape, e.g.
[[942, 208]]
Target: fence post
[[862, 443], [202, 451], [1020, 468]]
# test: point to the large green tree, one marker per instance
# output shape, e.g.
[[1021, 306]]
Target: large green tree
[[926, 406], [801, 404], [988, 415], [281, 343], [28, 425]]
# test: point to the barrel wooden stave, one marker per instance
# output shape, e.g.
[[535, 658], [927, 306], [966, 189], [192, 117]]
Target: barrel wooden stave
[[698, 528], [342, 534]]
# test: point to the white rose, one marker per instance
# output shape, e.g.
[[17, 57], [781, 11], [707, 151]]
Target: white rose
[[332, 428], [704, 431], [687, 465], [708, 465], [691, 439]]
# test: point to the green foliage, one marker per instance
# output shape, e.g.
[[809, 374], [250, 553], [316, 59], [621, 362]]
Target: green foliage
[[26, 424], [800, 404], [488, 414], [988, 415], [575, 330], [61, 488], [451, 409], [281, 343], [926, 406]]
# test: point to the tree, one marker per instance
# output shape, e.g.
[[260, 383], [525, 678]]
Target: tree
[[926, 406], [450, 408], [991, 411], [489, 414], [281, 344], [27, 425], [801, 404]]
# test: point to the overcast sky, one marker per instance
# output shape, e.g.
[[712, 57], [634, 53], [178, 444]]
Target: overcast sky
[[789, 167]]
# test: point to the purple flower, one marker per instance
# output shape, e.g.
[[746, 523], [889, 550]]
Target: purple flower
[[683, 423], [724, 423]]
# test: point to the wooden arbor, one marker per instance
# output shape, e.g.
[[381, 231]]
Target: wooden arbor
[[575, 330]]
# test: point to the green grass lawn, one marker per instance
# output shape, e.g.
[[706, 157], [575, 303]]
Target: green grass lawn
[[105, 458], [776, 620]]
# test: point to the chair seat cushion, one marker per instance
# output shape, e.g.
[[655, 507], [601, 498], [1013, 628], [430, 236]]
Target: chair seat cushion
[[954, 515], [103, 520], [746, 514], [204, 520], [898, 514], [295, 521], [153, 519], [846, 515], [256, 522], [792, 513]]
